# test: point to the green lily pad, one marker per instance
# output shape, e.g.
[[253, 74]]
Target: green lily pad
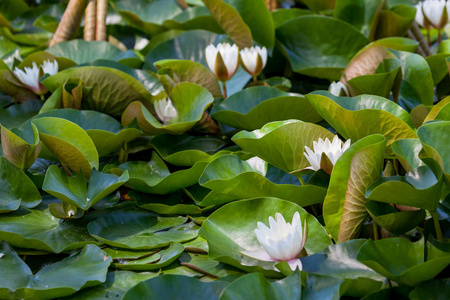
[[20, 149], [73, 190], [16, 189], [147, 16], [392, 220], [207, 266], [206, 198], [163, 285], [163, 258], [185, 150], [254, 107], [81, 51], [314, 52], [385, 80], [283, 15], [194, 17], [407, 152], [322, 287], [438, 66], [139, 229], [418, 188], [434, 289], [165, 205], [395, 21], [360, 279], [417, 84], [106, 90], [232, 176], [226, 239], [282, 143], [68, 142], [154, 176], [190, 101], [116, 285], [106, 132], [191, 71], [356, 169], [256, 286], [434, 138], [362, 14], [47, 233], [55, 280], [379, 115], [231, 22], [15, 115], [400, 260]]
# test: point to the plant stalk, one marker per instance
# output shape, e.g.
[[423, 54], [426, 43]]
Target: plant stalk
[[301, 180], [70, 21], [224, 89], [376, 236], [89, 21], [437, 227], [100, 28]]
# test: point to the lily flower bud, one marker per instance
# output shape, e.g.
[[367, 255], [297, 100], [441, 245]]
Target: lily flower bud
[[165, 110], [338, 89], [254, 59], [223, 60], [434, 13]]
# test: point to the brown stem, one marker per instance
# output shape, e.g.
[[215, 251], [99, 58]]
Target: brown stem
[[100, 28], [439, 37], [66, 170], [70, 21], [224, 89], [376, 236], [418, 36], [89, 21], [183, 4]]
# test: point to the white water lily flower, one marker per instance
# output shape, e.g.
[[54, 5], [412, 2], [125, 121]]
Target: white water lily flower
[[338, 89], [223, 60], [432, 12], [165, 110], [282, 241], [258, 164], [325, 154], [30, 77], [50, 67], [254, 59]]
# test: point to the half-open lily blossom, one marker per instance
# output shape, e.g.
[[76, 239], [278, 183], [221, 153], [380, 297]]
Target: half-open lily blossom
[[254, 59], [223, 60], [325, 154], [30, 77], [433, 12], [282, 241], [338, 89], [165, 110]]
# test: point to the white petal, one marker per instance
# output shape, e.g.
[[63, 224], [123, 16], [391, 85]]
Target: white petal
[[258, 255], [295, 263], [49, 67], [210, 56], [263, 53]]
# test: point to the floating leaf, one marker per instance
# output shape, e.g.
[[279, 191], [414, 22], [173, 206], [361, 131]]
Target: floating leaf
[[106, 90], [379, 115], [418, 188], [139, 229], [16, 189], [68, 142], [185, 150], [254, 107], [190, 101], [154, 176], [316, 53], [401, 260], [230, 175], [73, 190], [163, 285], [191, 71], [356, 169], [53, 281], [20, 149]]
